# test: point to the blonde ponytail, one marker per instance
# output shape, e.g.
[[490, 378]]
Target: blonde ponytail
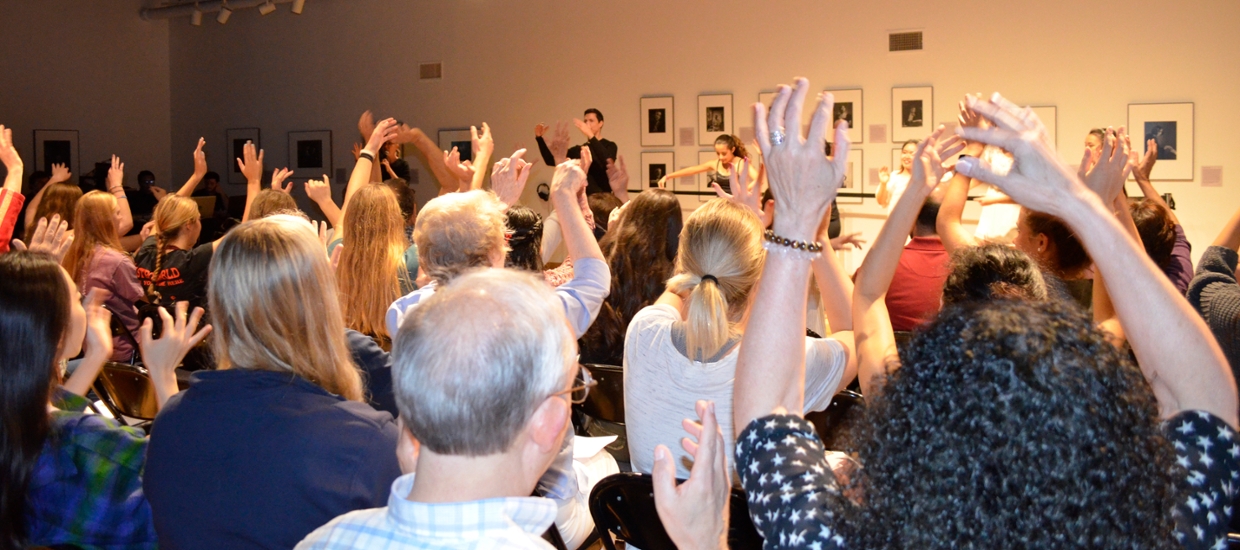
[[718, 263]]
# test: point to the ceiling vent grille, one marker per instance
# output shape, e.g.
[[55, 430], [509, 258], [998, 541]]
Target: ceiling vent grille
[[430, 71], [904, 41]]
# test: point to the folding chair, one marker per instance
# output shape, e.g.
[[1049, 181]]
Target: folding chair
[[623, 505]]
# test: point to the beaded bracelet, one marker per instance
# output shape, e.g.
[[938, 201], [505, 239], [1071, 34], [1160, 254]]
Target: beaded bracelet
[[793, 248], [366, 156]]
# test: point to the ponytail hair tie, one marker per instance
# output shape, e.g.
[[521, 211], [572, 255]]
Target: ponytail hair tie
[[709, 278]]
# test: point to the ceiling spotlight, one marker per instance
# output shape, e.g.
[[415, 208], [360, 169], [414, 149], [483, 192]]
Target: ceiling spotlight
[[298, 5], [266, 9], [225, 13], [196, 18]]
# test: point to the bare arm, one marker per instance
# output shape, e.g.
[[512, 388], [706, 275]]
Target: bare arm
[[1175, 349], [1141, 173], [428, 154], [251, 166], [383, 132], [683, 172], [484, 147], [200, 170], [570, 181], [60, 174], [12, 162], [320, 191]]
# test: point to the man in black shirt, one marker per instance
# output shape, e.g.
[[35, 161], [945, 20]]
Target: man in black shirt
[[601, 150]]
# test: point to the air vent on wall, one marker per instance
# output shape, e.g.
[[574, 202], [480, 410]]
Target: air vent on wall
[[904, 41], [434, 71]]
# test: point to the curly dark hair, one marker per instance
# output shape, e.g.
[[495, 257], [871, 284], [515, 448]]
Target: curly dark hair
[[991, 271], [641, 253], [525, 239], [1070, 255], [1014, 424], [1156, 228]]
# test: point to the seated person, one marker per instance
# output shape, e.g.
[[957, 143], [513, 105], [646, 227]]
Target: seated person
[[279, 440], [1039, 431], [1215, 294], [1161, 232], [917, 287], [484, 413], [210, 187], [684, 347]]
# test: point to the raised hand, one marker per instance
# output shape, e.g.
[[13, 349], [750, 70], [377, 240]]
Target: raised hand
[[383, 132], [618, 177], [508, 177], [581, 125], [200, 160], [52, 238], [540, 129], [484, 144], [695, 513], [318, 190], [98, 324], [1036, 179], [1145, 165], [388, 167], [559, 142], [802, 179], [1105, 176], [251, 164], [158, 192], [8, 152], [161, 356], [743, 192], [928, 159], [569, 178], [116, 175], [277, 179], [366, 124], [357, 151], [852, 239], [60, 174], [461, 174]]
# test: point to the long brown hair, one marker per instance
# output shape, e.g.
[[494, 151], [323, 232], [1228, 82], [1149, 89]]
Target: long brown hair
[[641, 252], [270, 293], [724, 240], [171, 216], [94, 222], [372, 264], [58, 198], [734, 143]]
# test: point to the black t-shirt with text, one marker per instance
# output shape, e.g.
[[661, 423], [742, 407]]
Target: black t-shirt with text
[[182, 273]]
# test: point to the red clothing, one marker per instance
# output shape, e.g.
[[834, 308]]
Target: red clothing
[[10, 206], [917, 287]]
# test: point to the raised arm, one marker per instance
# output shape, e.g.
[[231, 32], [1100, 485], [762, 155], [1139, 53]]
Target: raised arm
[[543, 150], [484, 147], [618, 178], [508, 178], [200, 170], [161, 356], [98, 348], [1175, 349], [770, 370], [950, 223], [320, 191], [60, 174], [12, 161], [428, 154], [876, 342], [567, 185], [1141, 173], [684, 172], [116, 186], [383, 132], [251, 165]]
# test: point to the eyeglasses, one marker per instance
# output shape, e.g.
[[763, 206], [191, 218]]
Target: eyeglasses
[[577, 394]]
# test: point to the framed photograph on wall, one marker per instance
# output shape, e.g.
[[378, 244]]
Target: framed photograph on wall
[[236, 138], [459, 138], [714, 117], [56, 147], [310, 152], [1049, 115], [912, 113], [655, 165], [849, 107], [1170, 125], [853, 179], [658, 121]]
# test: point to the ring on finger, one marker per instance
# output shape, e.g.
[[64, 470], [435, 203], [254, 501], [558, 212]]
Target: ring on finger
[[777, 137]]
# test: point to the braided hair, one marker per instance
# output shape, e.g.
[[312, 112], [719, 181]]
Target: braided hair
[[171, 216]]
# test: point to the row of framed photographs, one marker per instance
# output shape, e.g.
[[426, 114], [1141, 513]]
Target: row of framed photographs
[[695, 190], [1170, 125], [308, 150]]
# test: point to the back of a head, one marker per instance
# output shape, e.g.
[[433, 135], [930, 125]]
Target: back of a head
[[927, 219], [601, 205], [372, 263], [34, 314], [94, 223], [1070, 255], [721, 239], [459, 231], [1156, 228], [473, 362], [58, 198], [641, 253], [992, 271], [525, 239], [172, 215], [1041, 432], [259, 269], [406, 198], [270, 201]]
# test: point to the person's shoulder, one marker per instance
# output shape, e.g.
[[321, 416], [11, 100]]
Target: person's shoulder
[[357, 529], [655, 314], [99, 436]]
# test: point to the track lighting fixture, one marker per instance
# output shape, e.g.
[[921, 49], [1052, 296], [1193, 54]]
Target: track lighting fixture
[[196, 18], [267, 8], [225, 13], [298, 5]]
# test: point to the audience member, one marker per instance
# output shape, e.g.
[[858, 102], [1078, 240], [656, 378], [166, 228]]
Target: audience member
[[1215, 293], [278, 439], [1160, 229], [524, 236], [485, 374], [917, 285], [684, 347], [210, 187], [55, 199], [11, 198]]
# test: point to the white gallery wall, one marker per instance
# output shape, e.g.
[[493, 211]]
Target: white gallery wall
[[90, 66]]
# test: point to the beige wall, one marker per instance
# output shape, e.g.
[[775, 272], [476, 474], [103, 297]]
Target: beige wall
[[95, 67], [517, 63]]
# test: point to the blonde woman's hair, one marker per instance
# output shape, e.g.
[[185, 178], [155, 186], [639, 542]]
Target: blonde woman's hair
[[721, 239], [372, 263], [58, 198], [171, 216], [270, 293], [459, 231], [94, 222]]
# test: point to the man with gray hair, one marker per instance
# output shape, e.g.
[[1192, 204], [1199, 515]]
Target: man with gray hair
[[484, 372]]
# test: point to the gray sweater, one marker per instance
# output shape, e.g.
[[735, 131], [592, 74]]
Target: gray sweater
[[1215, 294]]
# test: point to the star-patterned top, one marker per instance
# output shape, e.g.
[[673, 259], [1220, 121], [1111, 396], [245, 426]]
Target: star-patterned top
[[783, 468]]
